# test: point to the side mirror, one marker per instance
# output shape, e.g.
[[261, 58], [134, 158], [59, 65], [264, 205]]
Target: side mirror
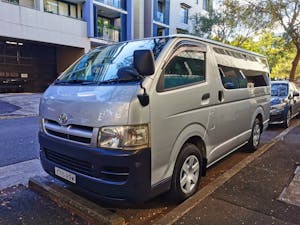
[[296, 94], [143, 62], [127, 73]]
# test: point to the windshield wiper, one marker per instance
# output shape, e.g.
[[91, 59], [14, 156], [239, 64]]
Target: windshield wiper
[[85, 82], [116, 80], [70, 81]]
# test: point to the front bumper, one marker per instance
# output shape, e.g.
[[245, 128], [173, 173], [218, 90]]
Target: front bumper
[[278, 116], [110, 174]]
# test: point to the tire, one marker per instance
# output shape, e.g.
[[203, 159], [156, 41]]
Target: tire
[[187, 170], [254, 140], [287, 120]]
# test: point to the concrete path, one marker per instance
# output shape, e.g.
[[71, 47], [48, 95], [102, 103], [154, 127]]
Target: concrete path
[[252, 196]]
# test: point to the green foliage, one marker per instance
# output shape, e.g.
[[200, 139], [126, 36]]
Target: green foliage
[[240, 22], [279, 52], [203, 25], [286, 13], [283, 66]]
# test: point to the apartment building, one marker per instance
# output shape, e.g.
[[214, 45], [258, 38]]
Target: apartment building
[[182, 12], [164, 17], [38, 40]]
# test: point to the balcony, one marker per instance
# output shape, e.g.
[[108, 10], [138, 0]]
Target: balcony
[[108, 34], [113, 3], [29, 24]]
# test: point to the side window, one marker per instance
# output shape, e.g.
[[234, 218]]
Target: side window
[[256, 78], [232, 78], [185, 68]]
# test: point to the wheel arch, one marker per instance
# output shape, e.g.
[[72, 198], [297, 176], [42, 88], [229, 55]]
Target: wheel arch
[[194, 134], [260, 115]]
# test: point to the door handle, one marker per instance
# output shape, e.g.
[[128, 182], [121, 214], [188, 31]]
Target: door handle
[[221, 96], [205, 96]]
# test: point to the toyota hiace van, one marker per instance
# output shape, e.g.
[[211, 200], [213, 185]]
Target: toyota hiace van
[[131, 120]]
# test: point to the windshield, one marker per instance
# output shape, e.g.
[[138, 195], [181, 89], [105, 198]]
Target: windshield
[[102, 63], [279, 90]]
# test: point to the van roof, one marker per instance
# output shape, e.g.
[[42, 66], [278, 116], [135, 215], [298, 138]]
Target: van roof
[[214, 43], [187, 36]]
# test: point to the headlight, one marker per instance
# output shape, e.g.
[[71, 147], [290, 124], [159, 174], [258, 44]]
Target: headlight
[[124, 137], [279, 106]]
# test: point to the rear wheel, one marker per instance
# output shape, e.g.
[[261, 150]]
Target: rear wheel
[[254, 140], [287, 120], [187, 173]]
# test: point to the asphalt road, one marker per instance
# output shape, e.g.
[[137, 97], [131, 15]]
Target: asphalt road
[[18, 140]]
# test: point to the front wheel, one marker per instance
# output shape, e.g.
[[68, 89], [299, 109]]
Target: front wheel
[[187, 173], [254, 140]]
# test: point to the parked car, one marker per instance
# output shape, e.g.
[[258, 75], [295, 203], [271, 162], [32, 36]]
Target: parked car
[[11, 85], [285, 102], [134, 119]]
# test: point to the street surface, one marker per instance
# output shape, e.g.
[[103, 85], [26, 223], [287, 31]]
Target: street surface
[[18, 140], [19, 143]]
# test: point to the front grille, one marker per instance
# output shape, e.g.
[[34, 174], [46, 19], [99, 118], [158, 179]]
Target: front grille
[[78, 133], [78, 165]]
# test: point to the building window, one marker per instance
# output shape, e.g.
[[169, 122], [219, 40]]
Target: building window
[[26, 3], [184, 13], [205, 5], [51, 6], [181, 31], [73, 11], [61, 8]]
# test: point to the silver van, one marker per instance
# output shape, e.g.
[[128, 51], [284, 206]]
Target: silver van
[[131, 120]]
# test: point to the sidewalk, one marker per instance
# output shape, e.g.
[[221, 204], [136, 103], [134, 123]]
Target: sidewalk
[[19, 105], [262, 193]]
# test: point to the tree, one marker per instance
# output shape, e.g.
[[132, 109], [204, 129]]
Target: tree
[[203, 25], [286, 13], [231, 21], [275, 47]]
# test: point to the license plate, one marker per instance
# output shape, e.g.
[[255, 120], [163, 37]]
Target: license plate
[[65, 175]]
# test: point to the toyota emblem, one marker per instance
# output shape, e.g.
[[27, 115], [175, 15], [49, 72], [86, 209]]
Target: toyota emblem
[[63, 118]]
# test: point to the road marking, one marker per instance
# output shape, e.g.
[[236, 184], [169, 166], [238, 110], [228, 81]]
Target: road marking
[[190, 203], [20, 173]]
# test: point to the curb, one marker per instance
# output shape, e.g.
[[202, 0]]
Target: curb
[[190, 203], [90, 211]]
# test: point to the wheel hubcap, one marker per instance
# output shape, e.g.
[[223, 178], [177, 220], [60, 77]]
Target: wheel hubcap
[[189, 174], [256, 135]]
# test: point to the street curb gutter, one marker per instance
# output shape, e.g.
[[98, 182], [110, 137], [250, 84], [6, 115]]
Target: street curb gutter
[[80, 206], [189, 204]]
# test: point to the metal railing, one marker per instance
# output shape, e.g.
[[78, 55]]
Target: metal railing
[[108, 34], [113, 3]]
